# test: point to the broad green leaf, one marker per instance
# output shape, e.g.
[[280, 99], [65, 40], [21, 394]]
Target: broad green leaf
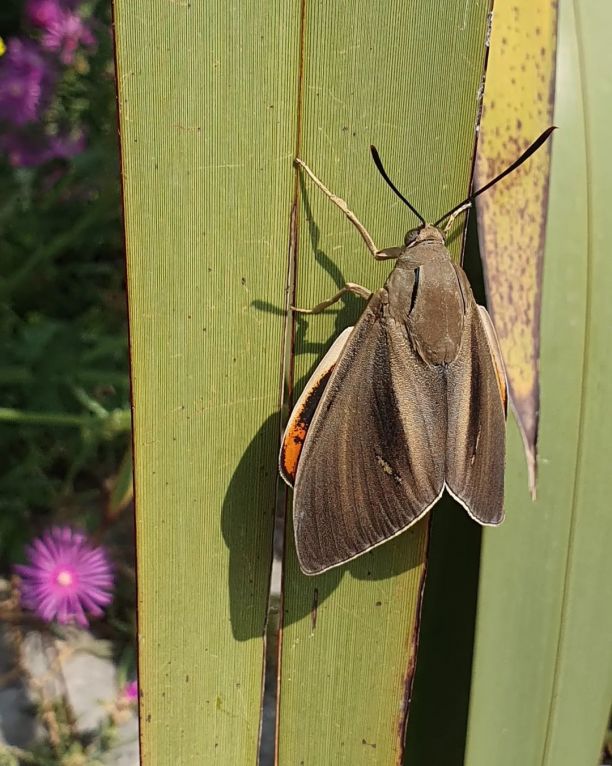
[[405, 77], [207, 101], [542, 677]]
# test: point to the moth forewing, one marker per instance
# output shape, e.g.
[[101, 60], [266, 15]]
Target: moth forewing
[[365, 473], [475, 448], [304, 409]]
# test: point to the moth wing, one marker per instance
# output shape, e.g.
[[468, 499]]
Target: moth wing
[[475, 448], [305, 408], [498, 360], [373, 462]]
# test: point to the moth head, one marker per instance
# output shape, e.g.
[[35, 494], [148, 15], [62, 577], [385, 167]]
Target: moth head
[[424, 233]]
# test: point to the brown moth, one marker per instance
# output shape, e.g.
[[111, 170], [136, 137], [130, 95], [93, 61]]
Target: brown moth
[[408, 403]]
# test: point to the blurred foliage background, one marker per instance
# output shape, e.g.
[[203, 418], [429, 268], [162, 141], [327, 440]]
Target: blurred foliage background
[[64, 389]]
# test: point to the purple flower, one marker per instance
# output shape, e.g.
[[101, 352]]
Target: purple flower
[[31, 150], [64, 30], [66, 577], [26, 80], [43, 13], [66, 146], [65, 34]]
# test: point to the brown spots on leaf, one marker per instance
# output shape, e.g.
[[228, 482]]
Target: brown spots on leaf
[[512, 215]]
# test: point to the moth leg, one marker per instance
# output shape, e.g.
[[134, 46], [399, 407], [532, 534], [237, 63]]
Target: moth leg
[[349, 287], [339, 202], [451, 218]]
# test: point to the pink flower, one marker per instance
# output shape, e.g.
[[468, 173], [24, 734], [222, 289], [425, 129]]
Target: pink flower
[[65, 34], [66, 577], [130, 691]]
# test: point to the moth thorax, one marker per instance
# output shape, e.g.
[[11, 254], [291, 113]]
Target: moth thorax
[[436, 319]]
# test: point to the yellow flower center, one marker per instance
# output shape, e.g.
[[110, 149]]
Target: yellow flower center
[[64, 578]]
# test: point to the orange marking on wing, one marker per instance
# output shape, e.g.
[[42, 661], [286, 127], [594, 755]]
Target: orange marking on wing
[[305, 408], [299, 423], [292, 448]]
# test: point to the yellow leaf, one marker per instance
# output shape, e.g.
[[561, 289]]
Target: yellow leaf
[[518, 105]]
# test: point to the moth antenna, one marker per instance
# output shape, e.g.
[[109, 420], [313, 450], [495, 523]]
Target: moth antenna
[[383, 172], [517, 163]]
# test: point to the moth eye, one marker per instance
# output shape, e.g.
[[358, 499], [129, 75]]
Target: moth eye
[[411, 236]]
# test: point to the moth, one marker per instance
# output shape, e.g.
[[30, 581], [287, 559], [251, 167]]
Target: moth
[[408, 403]]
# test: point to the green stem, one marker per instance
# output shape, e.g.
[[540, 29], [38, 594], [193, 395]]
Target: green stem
[[119, 420]]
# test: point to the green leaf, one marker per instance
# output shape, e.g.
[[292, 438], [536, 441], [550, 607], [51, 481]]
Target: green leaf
[[207, 99], [542, 679], [373, 74]]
